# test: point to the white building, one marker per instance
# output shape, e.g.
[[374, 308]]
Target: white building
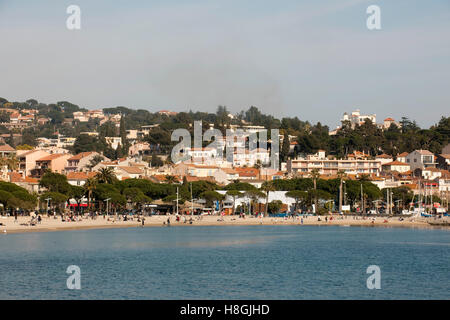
[[333, 166], [249, 158], [420, 159], [356, 118]]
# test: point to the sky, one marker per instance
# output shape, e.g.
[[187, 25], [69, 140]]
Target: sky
[[310, 59]]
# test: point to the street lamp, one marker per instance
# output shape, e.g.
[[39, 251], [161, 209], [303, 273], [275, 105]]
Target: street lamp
[[328, 201], [48, 200], [376, 207], [107, 211]]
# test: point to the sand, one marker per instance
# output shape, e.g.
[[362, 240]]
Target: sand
[[51, 224]]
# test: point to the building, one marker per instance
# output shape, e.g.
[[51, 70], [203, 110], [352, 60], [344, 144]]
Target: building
[[355, 118], [384, 158], [431, 173], [129, 172], [388, 122], [79, 178], [396, 166], [113, 142], [200, 154], [27, 160], [6, 150], [226, 175], [333, 166], [53, 162], [167, 113], [420, 159], [81, 161], [249, 158], [443, 161], [402, 157]]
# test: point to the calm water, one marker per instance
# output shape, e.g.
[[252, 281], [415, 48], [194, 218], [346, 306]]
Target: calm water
[[248, 262]]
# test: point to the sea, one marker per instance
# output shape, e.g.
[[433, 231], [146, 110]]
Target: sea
[[227, 262]]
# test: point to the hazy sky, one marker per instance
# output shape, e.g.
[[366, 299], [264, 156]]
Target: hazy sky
[[311, 59]]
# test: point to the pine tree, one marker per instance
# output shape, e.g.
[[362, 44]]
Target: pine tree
[[123, 136], [285, 148]]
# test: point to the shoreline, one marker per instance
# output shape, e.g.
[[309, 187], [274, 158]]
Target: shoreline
[[50, 224]]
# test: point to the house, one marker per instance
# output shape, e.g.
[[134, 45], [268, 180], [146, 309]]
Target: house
[[113, 142], [53, 162], [79, 178], [247, 174], [420, 159], [129, 172], [140, 149], [167, 113], [443, 161], [200, 154], [29, 183], [250, 158], [384, 158], [431, 173], [402, 157], [80, 161], [27, 160], [396, 166], [6, 150], [388, 122], [355, 118], [111, 164], [226, 175]]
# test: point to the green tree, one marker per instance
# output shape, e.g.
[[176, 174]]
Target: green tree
[[55, 182], [106, 175], [298, 196]]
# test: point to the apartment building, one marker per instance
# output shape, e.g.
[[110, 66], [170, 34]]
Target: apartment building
[[27, 160], [79, 162], [420, 159], [53, 162], [333, 166], [249, 158]]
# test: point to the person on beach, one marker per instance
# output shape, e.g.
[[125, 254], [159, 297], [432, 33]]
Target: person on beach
[[15, 217], [143, 221], [301, 221]]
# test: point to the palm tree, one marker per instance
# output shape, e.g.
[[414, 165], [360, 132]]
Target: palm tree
[[90, 185], [234, 194], [94, 161], [314, 174], [171, 179], [106, 175], [267, 187], [255, 195]]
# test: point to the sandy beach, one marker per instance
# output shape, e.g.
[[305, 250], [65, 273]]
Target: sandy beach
[[51, 224]]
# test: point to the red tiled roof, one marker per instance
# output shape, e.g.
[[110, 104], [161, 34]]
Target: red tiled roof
[[80, 175], [396, 163], [6, 147], [132, 170], [52, 157], [384, 156], [81, 155]]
